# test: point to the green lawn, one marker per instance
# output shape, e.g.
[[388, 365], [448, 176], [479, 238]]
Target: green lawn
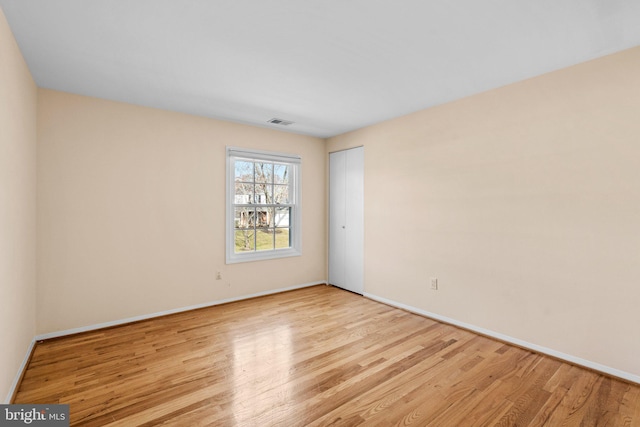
[[264, 240]]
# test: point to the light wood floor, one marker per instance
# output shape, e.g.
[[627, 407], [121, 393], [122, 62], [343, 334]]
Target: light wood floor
[[314, 357]]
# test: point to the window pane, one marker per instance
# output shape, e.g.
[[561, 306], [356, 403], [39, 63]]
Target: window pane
[[263, 217], [263, 193], [282, 238], [281, 194], [244, 194], [264, 172], [282, 216], [244, 171], [270, 216], [245, 241], [280, 174], [264, 239], [244, 218]]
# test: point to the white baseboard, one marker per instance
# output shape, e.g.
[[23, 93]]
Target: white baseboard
[[172, 311], [16, 380], [537, 348]]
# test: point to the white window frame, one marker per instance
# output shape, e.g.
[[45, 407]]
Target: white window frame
[[295, 163]]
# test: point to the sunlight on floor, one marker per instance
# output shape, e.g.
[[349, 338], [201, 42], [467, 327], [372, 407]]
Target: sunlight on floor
[[262, 362]]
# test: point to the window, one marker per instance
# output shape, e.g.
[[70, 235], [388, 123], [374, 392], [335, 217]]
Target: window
[[263, 205]]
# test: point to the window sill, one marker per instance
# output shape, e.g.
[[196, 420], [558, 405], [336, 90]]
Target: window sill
[[259, 256]]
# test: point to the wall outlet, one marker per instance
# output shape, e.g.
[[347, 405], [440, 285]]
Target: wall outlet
[[434, 283], [218, 276]]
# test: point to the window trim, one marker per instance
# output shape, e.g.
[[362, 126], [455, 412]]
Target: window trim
[[295, 162]]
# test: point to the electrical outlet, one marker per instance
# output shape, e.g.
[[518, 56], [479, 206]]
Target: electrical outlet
[[434, 283], [218, 276]]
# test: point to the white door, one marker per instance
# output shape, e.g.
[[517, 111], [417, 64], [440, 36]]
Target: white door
[[346, 219]]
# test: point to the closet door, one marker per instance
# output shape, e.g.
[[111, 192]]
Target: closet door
[[346, 219]]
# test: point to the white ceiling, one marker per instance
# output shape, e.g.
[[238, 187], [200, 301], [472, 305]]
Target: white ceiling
[[330, 66]]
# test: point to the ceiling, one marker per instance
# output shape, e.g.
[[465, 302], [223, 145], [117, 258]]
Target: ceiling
[[329, 66]]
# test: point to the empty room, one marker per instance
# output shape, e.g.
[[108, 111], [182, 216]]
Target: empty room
[[377, 213]]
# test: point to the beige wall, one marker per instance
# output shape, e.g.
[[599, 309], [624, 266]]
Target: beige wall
[[131, 209], [17, 207], [524, 202]]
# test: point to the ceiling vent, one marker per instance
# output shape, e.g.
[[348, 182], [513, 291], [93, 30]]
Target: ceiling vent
[[280, 122]]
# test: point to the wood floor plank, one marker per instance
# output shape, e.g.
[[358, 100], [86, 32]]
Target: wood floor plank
[[316, 356]]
